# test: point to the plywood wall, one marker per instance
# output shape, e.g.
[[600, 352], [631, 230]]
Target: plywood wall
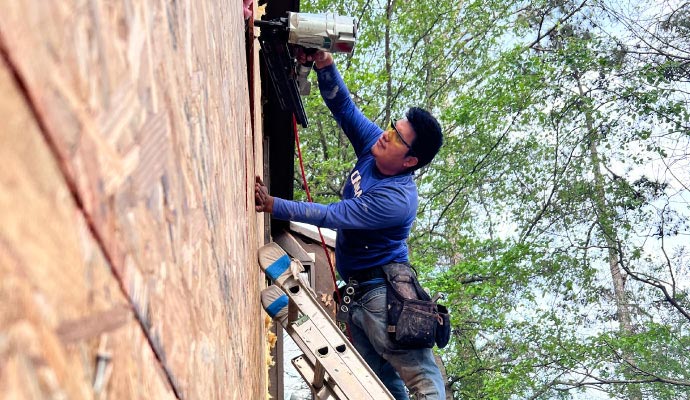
[[127, 230]]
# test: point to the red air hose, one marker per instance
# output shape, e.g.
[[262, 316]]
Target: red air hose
[[323, 241], [306, 188]]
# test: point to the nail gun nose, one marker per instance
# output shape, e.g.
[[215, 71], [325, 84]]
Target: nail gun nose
[[269, 24]]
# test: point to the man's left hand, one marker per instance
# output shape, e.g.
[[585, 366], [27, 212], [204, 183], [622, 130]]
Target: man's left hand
[[262, 200]]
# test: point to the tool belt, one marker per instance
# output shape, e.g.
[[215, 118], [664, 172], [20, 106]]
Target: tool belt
[[352, 291], [366, 275], [356, 286], [414, 320]]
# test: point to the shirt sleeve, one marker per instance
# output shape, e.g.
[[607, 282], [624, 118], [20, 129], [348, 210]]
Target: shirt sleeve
[[375, 210], [359, 129]]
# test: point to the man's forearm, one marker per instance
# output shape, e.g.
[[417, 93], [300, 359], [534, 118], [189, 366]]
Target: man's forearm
[[299, 211], [333, 90]]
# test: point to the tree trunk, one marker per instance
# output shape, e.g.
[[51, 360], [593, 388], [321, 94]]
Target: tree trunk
[[389, 63], [442, 367], [605, 221]]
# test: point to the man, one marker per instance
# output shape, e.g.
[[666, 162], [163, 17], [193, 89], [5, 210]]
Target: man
[[373, 222]]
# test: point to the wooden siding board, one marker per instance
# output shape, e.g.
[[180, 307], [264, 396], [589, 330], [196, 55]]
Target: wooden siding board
[[146, 107]]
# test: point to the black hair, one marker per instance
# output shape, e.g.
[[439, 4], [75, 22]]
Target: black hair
[[428, 135]]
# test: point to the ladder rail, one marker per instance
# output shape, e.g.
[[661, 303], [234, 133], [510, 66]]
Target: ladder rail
[[315, 330], [346, 375], [309, 305], [328, 391]]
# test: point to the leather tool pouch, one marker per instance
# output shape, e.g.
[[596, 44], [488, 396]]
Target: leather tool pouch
[[414, 321]]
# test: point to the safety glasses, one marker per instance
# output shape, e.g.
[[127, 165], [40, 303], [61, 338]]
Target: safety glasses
[[397, 133]]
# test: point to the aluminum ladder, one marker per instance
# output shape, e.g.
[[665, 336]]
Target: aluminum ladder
[[330, 365]]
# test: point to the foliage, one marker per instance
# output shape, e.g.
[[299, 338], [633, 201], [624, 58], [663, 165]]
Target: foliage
[[556, 216]]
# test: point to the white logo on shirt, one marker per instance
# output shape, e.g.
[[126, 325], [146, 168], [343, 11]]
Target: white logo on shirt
[[356, 178]]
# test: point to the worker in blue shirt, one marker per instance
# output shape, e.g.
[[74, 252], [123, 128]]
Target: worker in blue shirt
[[373, 222]]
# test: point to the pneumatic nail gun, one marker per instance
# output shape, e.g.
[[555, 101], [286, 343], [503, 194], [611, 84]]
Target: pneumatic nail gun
[[279, 38]]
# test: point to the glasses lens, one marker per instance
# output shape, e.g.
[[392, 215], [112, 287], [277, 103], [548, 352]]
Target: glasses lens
[[398, 137], [392, 134]]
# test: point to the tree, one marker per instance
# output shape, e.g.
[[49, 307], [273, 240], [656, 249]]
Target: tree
[[555, 215]]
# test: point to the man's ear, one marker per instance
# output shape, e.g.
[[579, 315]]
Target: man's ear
[[410, 161]]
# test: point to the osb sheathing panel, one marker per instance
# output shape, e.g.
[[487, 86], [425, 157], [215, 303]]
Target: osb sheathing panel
[[144, 107], [60, 306]]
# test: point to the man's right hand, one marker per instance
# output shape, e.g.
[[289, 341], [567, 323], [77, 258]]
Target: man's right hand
[[321, 58], [262, 200]]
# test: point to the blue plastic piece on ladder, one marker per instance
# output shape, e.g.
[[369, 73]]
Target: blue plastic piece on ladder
[[278, 267], [277, 305]]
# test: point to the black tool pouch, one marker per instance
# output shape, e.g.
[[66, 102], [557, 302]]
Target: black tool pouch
[[414, 321]]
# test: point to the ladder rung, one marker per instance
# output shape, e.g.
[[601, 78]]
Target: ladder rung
[[327, 391]]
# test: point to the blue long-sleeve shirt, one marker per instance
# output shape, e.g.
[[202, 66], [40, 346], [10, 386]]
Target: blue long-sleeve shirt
[[374, 219]]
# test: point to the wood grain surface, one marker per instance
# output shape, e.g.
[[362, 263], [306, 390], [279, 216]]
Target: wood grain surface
[[126, 201]]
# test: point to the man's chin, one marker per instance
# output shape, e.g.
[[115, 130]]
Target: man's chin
[[374, 149]]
